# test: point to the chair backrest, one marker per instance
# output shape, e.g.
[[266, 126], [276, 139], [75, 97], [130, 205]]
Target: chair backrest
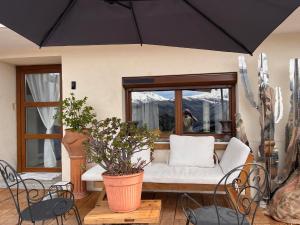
[[255, 181], [17, 187], [13, 182]]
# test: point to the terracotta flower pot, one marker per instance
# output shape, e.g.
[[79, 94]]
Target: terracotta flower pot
[[124, 192], [73, 142]]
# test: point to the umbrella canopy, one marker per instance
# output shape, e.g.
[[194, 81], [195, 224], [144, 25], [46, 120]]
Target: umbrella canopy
[[223, 25]]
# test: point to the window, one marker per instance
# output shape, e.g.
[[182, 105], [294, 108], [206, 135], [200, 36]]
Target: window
[[201, 104]]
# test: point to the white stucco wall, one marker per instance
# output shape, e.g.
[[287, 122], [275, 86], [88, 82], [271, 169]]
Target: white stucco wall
[[8, 137], [98, 71]]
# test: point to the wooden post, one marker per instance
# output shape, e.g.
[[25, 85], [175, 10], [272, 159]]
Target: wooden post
[[268, 149]]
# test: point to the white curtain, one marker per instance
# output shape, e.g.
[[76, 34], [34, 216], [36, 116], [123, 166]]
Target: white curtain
[[206, 116], [46, 88], [146, 113], [218, 117]]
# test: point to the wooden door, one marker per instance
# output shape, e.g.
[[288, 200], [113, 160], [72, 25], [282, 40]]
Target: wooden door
[[39, 133]]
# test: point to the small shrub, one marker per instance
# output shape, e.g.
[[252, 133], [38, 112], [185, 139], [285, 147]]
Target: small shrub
[[112, 144], [75, 114]]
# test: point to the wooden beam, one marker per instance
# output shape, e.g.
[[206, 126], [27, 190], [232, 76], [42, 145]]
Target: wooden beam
[[189, 80], [166, 146], [147, 186]]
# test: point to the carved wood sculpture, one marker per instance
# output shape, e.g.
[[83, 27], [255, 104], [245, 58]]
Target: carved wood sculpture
[[73, 142], [285, 202], [240, 129], [266, 105], [293, 125], [269, 106]]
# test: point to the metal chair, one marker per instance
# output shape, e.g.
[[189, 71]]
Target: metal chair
[[40, 204], [238, 208]]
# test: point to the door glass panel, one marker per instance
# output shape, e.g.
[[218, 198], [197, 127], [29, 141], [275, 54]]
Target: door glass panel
[[44, 87], [43, 153], [155, 109], [41, 120], [203, 110]]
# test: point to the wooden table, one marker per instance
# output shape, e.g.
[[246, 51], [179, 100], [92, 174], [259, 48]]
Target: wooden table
[[148, 213]]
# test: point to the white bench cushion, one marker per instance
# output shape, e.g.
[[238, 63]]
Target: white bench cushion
[[93, 174], [163, 173], [142, 155], [235, 155], [192, 151]]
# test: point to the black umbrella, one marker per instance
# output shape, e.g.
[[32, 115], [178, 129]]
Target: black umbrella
[[224, 25]]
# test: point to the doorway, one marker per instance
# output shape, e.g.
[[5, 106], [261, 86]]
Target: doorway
[[39, 132]]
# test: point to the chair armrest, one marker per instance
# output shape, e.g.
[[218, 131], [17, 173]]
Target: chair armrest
[[64, 186], [61, 191], [188, 212]]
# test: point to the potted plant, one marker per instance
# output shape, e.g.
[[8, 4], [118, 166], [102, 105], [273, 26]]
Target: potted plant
[[77, 117], [112, 145]]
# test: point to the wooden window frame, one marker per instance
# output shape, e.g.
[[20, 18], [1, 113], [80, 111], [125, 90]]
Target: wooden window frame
[[21, 71], [178, 83]]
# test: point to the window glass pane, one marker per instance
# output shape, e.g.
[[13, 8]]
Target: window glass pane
[[155, 109], [37, 149], [41, 120], [203, 110], [44, 87]]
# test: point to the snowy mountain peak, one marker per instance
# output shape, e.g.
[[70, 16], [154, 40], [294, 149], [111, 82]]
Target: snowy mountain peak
[[146, 97], [213, 95]]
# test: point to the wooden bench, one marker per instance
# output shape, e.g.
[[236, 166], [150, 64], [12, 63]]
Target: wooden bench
[[180, 187]]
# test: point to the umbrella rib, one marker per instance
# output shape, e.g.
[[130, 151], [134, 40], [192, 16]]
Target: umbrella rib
[[57, 22], [123, 5], [218, 26], [136, 23], [118, 2]]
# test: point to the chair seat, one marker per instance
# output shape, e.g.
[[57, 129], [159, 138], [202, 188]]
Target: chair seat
[[208, 216], [44, 210]]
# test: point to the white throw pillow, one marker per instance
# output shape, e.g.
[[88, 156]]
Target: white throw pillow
[[235, 155], [191, 151]]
